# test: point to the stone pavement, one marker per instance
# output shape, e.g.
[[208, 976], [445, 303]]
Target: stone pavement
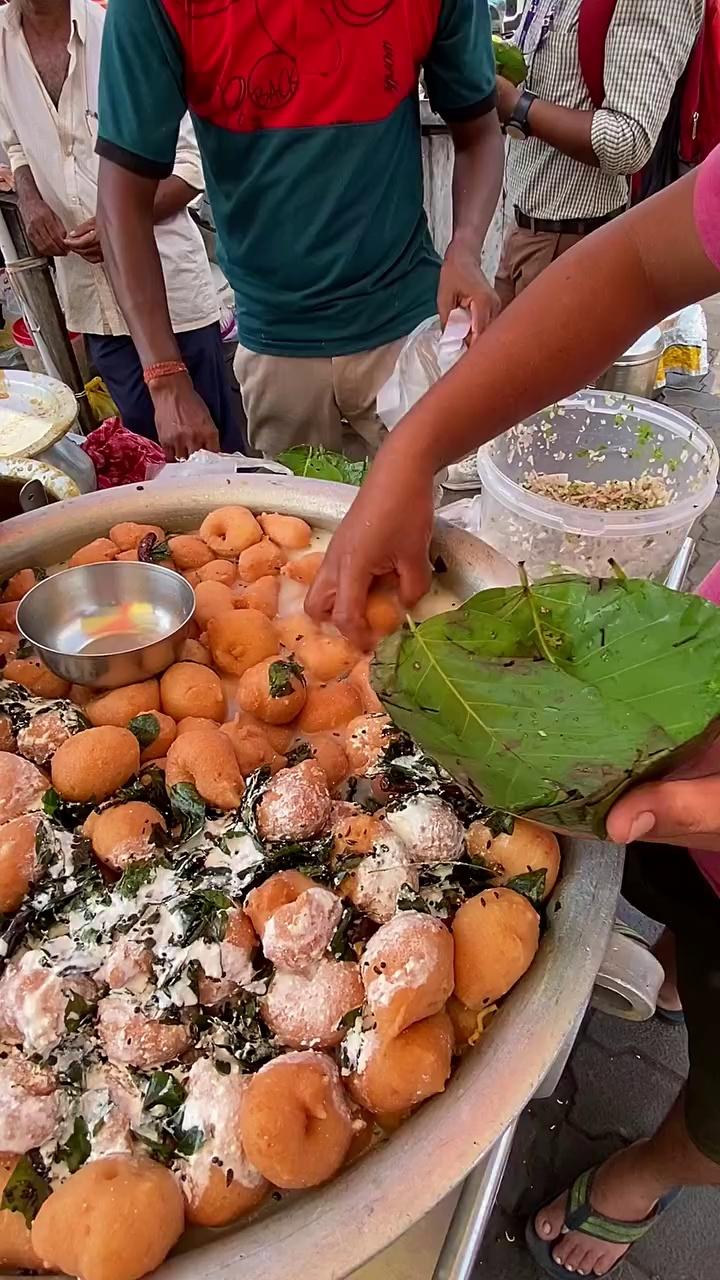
[[622, 1076]]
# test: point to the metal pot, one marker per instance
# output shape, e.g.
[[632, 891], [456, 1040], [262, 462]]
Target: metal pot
[[635, 373], [330, 1232]]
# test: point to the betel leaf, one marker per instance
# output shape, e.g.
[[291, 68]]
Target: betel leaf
[[78, 1147], [317, 463], [531, 884], [146, 729], [25, 1190], [549, 701], [281, 675]]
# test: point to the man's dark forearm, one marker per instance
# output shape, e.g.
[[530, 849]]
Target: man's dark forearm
[[565, 129], [125, 220], [172, 196], [477, 178], [25, 185]]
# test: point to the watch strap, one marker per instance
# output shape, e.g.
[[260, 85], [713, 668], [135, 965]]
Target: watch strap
[[519, 118]]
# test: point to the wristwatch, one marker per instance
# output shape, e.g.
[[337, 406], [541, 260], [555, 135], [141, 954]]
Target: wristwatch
[[518, 126]]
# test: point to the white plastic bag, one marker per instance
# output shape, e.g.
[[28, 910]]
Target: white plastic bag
[[427, 354], [204, 464]]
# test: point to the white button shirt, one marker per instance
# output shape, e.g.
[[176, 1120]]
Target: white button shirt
[[59, 146]]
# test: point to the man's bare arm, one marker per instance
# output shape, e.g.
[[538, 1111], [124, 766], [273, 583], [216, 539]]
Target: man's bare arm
[[477, 181], [45, 230], [561, 332], [172, 196], [126, 218]]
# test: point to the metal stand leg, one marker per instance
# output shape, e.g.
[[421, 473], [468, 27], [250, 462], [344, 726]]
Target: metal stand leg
[[476, 1203], [34, 287]]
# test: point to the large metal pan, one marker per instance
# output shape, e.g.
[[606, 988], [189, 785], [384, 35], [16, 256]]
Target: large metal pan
[[330, 1232]]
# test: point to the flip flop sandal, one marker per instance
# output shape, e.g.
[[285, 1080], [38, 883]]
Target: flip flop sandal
[[580, 1216]]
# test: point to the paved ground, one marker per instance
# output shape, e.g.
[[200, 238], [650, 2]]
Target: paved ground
[[622, 1076]]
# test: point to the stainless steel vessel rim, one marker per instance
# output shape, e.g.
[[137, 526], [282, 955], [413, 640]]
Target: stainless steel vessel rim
[[488, 1091], [111, 653]]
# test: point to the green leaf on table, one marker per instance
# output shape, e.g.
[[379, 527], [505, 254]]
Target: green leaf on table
[[25, 1190], [316, 463], [146, 729], [548, 701]]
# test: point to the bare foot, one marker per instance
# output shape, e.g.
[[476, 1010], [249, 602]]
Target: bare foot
[[615, 1192], [665, 952]]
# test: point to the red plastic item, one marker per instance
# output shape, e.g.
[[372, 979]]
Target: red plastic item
[[22, 336], [120, 456]]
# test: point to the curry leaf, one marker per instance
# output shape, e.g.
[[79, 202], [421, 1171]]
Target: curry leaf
[[188, 808], [77, 1149], [549, 701], [531, 884], [281, 677], [25, 1190], [163, 1091], [145, 728]]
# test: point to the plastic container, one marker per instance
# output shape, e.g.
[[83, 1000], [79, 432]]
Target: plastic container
[[22, 337], [598, 436]]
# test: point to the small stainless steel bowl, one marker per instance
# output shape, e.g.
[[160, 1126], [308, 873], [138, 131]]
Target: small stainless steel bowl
[[108, 625]]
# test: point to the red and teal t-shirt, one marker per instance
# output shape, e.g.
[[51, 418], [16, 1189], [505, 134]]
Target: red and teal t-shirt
[[306, 113]]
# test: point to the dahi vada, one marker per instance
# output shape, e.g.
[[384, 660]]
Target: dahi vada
[[274, 691], [296, 804], [296, 1123], [93, 764], [188, 689], [121, 705], [329, 706], [205, 758], [114, 1219], [305, 1010], [22, 786], [497, 934], [395, 1075], [230, 530], [132, 1038], [287, 531], [407, 971], [124, 833], [241, 639]]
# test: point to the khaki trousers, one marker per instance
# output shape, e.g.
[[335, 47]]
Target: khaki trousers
[[525, 254], [326, 401]]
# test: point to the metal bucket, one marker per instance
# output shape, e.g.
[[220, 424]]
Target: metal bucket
[[635, 373], [330, 1232]]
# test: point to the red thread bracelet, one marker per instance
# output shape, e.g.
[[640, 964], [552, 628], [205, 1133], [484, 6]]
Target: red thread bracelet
[[163, 369]]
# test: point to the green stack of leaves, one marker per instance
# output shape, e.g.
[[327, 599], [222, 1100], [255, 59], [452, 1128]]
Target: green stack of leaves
[[548, 701]]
